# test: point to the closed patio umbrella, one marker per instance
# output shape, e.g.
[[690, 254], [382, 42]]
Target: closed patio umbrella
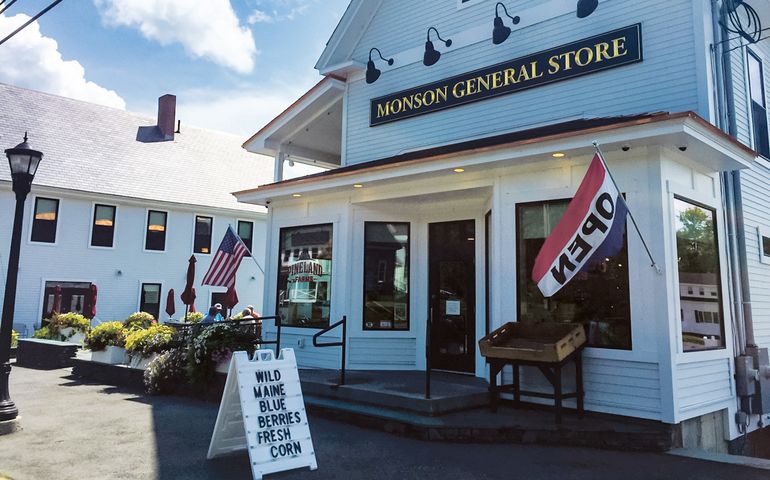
[[191, 306], [56, 299], [90, 307], [188, 295], [231, 300], [170, 307]]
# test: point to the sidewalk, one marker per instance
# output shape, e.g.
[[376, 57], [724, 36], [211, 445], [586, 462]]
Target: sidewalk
[[87, 431]]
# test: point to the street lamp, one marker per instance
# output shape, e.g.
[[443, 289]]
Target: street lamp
[[23, 162]]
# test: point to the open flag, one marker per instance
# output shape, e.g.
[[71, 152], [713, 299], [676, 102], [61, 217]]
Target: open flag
[[591, 229], [226, 261]]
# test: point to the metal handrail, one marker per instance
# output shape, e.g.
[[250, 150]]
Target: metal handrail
[[342, 344]]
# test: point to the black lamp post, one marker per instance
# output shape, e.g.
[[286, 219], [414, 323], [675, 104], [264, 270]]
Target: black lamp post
[[24, 162]]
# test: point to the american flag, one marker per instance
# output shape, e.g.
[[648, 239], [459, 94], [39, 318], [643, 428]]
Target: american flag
[[226, 261]]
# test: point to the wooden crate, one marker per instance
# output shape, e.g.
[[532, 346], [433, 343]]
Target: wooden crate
[[537, 342]]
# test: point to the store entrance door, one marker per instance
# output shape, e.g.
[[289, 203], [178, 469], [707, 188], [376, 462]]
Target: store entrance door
[[452, 295]]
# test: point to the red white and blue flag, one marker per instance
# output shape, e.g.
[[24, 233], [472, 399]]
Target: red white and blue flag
[[226, 261], [591, 230]]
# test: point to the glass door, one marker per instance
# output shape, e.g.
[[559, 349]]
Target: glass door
[[452, 290]]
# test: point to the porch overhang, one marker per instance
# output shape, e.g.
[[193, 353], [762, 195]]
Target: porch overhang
[[705, 145], [309, 131]]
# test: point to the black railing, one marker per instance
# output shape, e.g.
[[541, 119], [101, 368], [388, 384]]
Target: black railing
[[428, 347], [328, 329], [186, 332]]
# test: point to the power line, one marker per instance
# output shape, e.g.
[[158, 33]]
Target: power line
[[42, 12], [7, 6]]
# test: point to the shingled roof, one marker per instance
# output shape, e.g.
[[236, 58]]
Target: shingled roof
[[91, 148]]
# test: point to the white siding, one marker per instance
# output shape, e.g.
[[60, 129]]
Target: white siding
[[383, 353], [666, 80], [701, 385], [71, 258]]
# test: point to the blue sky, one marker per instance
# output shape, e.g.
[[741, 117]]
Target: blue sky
[[233, 64]]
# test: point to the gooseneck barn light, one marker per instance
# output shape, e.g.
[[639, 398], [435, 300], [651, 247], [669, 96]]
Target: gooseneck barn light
[[501, 33], [431, 54], [586, 7], [372, 72]]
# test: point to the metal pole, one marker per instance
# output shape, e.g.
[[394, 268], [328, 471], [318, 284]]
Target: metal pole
[[8, 410], [427, 349], [633, 220], [344, 337]]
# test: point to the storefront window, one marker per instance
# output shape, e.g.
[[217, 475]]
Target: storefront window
[[597, 298], [304, 276], [386, 276], [700, 293]]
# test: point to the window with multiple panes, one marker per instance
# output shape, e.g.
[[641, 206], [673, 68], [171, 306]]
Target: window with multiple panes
[[304, 276], [598, 298], [149, 300], [246, 232], [103, 228], [698, 264], [155, 238], [45, 220], [386, 276], [758, 105], [202, 242]]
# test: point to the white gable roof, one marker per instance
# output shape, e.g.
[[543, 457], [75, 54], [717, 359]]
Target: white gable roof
[[337, 56]]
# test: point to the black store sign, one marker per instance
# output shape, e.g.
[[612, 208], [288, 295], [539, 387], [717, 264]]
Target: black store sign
[[602, 52]]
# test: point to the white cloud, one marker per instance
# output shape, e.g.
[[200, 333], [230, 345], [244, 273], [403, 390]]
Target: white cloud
[[280, 10], [205, 28], [258, 16], [32, 60]]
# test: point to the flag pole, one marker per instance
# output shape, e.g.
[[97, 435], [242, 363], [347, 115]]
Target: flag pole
[[249, 250], [633, 220]]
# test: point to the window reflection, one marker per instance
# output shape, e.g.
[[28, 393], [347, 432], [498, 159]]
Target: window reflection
[[699, 289], [304, 276], [597, 298], [386, 276]]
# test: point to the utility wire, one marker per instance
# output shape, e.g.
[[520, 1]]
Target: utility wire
[[42, 12], [7, 6]]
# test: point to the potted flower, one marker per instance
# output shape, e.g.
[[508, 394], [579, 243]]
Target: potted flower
[[212, 349], [145, 344], [69, 327], [107, 343], [139, 320], [166, 372], [193, 317]]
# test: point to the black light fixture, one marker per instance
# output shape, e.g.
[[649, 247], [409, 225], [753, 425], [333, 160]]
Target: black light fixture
[[431, 54], [586, 7], [501, 33], [372, 72], [23, 162]]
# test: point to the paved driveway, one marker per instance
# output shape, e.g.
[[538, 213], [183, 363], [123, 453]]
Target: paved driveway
[[81, 431]]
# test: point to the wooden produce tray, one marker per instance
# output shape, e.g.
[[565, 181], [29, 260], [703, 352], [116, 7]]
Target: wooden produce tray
[[535, 342]]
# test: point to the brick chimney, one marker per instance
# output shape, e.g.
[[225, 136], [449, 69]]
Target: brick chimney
[[167, 115]]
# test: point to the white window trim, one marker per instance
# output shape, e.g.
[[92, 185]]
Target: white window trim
[[32, 221], [146, 224], [41, 302], [114, 226], [461, 5], [749, 111], [194, 223], [681, 357], [763, 231], [253, 230], [160, 299]]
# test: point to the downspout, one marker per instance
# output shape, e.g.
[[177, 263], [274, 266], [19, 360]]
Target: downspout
[[732, 191]]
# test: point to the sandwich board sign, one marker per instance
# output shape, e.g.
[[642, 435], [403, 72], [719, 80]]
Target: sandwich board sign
[[263, 410]]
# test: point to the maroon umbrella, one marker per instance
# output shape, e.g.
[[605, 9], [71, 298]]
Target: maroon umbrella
[[170, 308], [56, 299], [90, 306], [192, 302], [188, 295]]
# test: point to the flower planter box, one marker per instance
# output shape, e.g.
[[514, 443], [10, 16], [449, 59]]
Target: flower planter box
[[142, 362], [110, 355], [72, 336]]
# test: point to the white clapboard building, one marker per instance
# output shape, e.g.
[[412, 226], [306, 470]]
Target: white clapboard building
[[121, 201], [452, 164]]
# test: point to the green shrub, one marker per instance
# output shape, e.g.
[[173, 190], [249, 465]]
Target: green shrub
[[166, 372], [147, 341], [139, 320], [14, 338], [105, 335], [75, 321], [214, 344], [43, 333], [193, 317]]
